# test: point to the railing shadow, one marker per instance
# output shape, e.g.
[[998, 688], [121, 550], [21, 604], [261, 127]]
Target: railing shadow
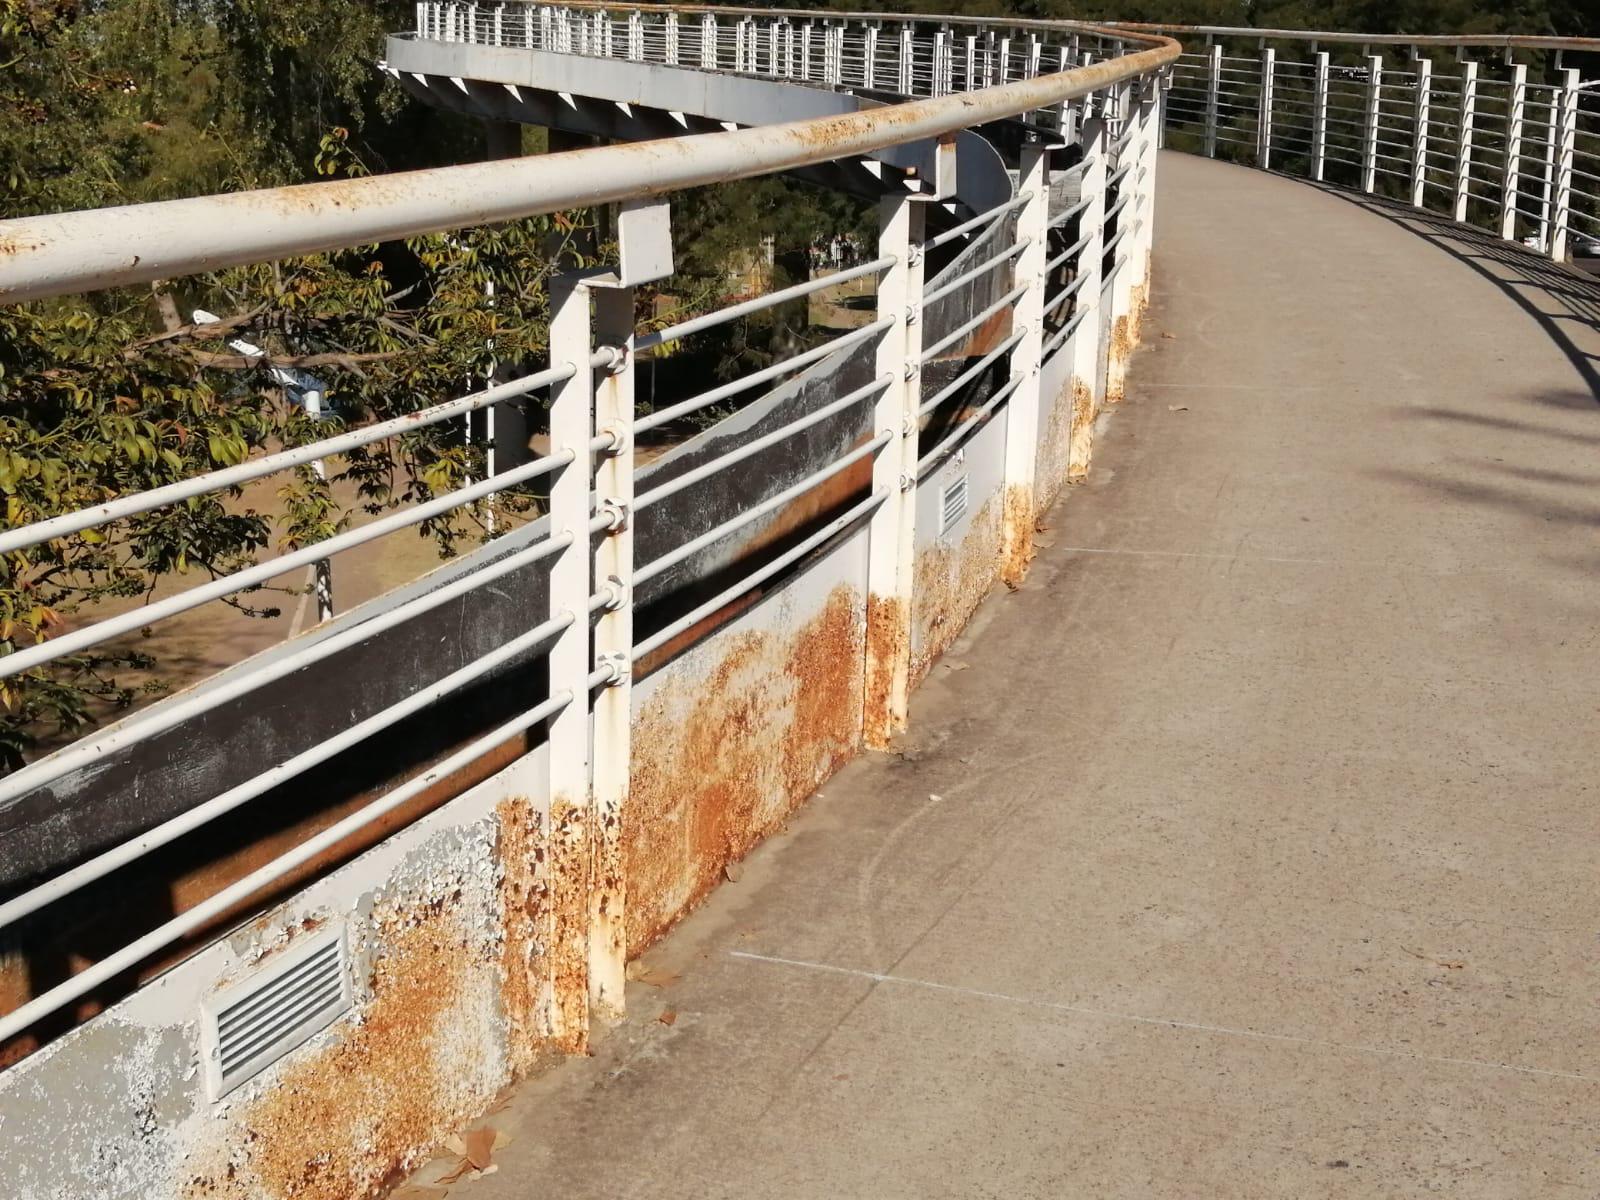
[[1555, 296]]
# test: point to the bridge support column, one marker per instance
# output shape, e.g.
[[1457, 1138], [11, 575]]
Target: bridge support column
[[1022, 411], [892, 532]]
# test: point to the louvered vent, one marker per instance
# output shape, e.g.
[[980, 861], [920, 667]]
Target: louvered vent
[[954, 504], [249, 1026]]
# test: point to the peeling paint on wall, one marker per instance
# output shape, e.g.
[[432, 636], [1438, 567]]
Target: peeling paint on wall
[[732, 737]]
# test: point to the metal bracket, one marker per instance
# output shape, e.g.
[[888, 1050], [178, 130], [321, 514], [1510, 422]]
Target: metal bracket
[[619, 665], [617, 594], [617, 513]]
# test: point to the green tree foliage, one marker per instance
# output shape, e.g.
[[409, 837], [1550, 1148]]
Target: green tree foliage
[[129, 100]]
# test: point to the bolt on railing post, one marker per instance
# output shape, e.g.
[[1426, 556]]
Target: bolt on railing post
[[1086, 340], [1269, 71], [565, 1016], [1516, 120], [1369, 132], [1564, 137], [1421, 120], [1022, 410], [1213, 96], [613, 646], [1468, 118], [892, 530], [1319, 118]]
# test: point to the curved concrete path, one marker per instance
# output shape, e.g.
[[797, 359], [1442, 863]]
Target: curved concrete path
[[1251, 849]]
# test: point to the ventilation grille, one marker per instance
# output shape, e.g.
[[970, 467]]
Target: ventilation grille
[[248, 1027], [953, 504]]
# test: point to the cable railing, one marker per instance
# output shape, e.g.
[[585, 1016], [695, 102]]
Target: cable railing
[[972, 341], [1495, 132]]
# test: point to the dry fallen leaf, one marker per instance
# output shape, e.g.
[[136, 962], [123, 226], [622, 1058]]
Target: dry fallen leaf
[[476, 1148], [668, 1017], [1169, 337], [1449, 964], [734, 871], [1177, 408]]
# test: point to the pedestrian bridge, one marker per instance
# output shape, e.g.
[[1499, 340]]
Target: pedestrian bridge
[[1231, 834]]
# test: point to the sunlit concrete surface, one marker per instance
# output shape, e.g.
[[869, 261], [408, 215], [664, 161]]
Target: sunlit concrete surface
[[1248, 850]]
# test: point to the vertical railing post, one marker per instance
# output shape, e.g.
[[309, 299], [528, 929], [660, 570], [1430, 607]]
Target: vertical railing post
[[1022, 410], [498, 25], [672, 38], [907, 49], [1369, 132], [708, 41], [1269, 71], [1565, 138], [870, 52], [613, 651], [565, 1011], [1422, 118], [636, 37], [1547, 180], [1468, 119], [1087, 308], [1516, 118], [1149, 115], [1213, 96], [941, 63], [1319, 118], [892, 532]]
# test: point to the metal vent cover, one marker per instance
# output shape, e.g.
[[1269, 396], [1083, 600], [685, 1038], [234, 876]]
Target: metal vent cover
[[952, 503], [247, 1027]]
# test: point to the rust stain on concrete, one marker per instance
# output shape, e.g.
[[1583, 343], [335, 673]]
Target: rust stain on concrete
[[566, 1001], [888, 648], [1017, 552], [345, 1122], [1055, 450], [722, 757], [951, 581], [1084, 413], [523, 852]]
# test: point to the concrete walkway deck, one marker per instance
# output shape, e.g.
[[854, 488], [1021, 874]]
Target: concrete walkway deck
[[1251, 849]]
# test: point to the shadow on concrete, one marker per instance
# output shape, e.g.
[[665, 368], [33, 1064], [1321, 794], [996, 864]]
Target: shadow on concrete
[[1556, 296]]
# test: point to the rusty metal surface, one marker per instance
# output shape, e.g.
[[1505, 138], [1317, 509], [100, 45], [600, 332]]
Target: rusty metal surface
[[74, 252], [736, 733]]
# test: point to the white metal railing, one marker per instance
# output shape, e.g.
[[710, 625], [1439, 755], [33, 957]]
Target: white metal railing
[[1498, 133], [1059, 274]]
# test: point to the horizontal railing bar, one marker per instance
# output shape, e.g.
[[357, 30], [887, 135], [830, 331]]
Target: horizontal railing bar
[[1066, 215], [1066, 331], [229, 477], [756, 578], [103, 631], [674, 333], [969, 374], [993, 214], [81, 251], [192, 703], [690, 478], [971, 273], [671, 559], [955, 436], [1071, 251], [929, 353], [816, 354], [216, 905]]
